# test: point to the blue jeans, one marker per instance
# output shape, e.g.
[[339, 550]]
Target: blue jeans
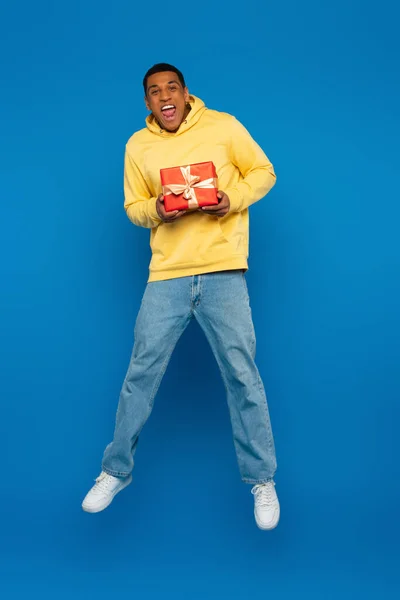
[[220, 304]]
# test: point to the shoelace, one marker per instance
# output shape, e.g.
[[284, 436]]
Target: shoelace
[[102, 483], [264, 494]]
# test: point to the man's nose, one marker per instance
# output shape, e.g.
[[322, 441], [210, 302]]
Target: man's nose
[[165, 95]]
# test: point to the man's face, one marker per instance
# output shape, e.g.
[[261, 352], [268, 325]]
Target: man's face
[[166, 98]]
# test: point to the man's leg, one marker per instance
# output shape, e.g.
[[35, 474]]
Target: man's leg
[[223, 311], [163, 316]]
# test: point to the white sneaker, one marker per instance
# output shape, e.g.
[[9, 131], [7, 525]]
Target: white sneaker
[[102, 493], [266, 505]]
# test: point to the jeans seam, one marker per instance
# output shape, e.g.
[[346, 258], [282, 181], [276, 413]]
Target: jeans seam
[[200, 289], [161, 373], [266, 410], [259, 382], [253, 337], [115, 473], [257, 481], [241, 464], [154, 390]]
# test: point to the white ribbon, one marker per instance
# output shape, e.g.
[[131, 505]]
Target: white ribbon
[[188, 187]]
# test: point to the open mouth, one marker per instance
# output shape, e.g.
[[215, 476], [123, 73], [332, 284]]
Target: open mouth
[[168, 112]]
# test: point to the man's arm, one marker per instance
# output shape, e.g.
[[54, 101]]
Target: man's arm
[[257, 170], [139, 204]]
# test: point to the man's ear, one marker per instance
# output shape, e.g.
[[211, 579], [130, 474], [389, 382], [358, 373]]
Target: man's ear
[[147, 103], [186, 94]]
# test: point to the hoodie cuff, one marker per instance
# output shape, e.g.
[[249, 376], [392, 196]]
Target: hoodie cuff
[[153, 214], [235, 200]]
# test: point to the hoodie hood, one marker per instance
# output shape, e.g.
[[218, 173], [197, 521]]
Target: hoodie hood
[[197, 109]]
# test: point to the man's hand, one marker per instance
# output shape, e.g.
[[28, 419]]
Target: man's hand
[[167, 217], [220, 209]]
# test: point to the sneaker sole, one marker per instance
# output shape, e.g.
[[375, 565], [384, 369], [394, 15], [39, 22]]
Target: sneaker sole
[[97, 509]]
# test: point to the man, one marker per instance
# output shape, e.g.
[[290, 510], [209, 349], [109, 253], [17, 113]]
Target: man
[[197, 270]]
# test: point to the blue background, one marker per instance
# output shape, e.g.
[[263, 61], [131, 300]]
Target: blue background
[[317, 85]]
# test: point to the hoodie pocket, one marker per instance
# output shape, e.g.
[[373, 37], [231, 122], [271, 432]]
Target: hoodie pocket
[[236, 241], [193, 239]]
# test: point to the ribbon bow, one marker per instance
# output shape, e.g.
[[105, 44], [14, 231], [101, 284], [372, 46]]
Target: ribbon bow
[[188, 187]]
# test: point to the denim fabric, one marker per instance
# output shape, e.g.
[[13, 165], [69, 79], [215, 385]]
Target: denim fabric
[[220, 304]]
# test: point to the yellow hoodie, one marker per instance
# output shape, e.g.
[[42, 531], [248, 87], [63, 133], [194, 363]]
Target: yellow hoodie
[[196, 243]]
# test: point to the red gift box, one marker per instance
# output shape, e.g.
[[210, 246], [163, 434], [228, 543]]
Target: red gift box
[[189, 187]]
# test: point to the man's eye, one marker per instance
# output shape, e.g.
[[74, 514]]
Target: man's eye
[[154, 92], [173, 89]]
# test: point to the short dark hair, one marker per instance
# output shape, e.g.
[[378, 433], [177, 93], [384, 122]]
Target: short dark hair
[[159, 68]]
